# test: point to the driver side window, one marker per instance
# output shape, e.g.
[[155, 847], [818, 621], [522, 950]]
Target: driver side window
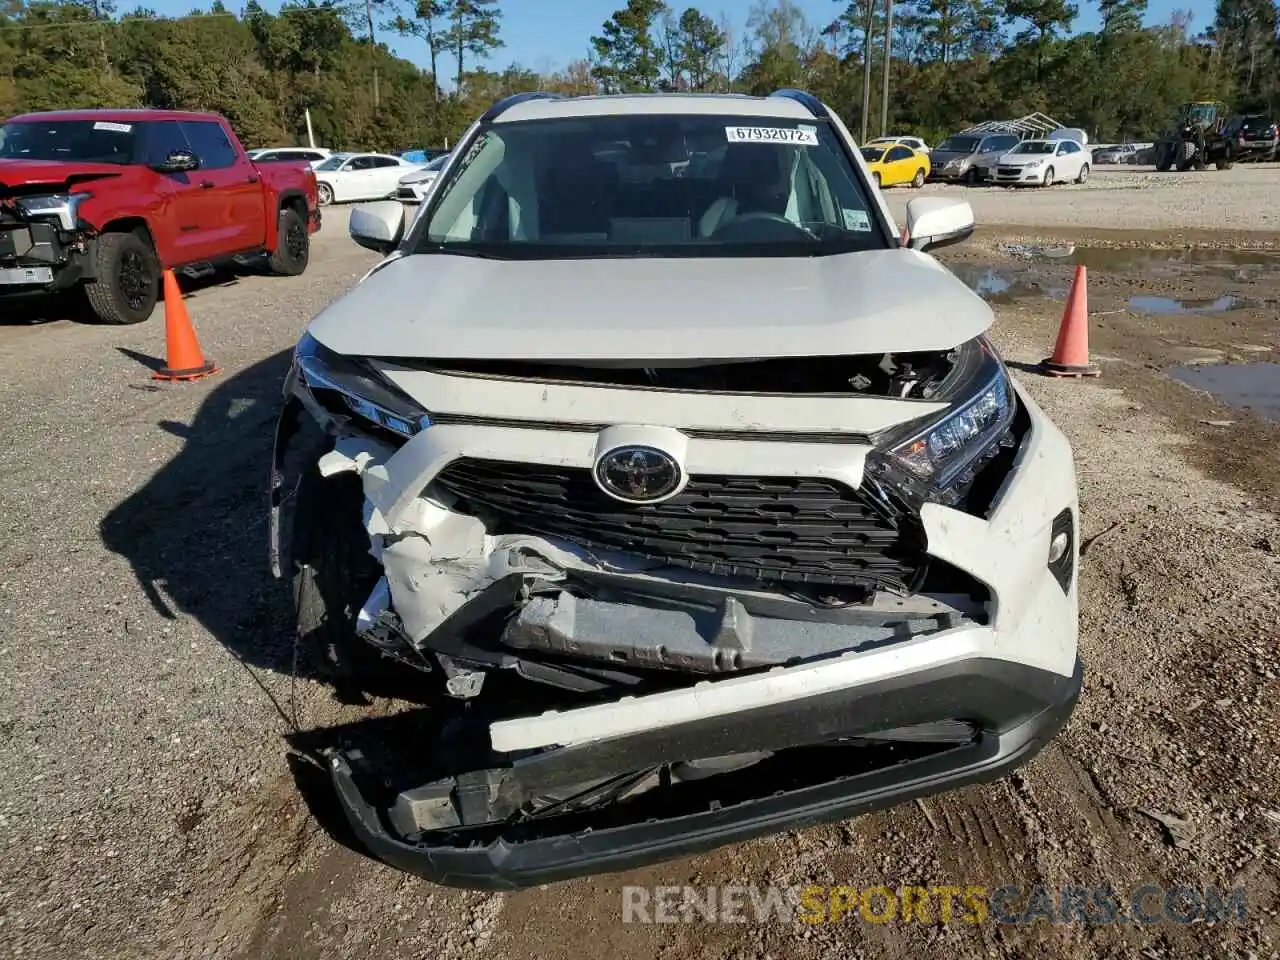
[[163, 138]]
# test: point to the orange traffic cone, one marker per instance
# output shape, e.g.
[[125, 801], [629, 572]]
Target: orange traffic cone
[[1071, 353], [185, 361]]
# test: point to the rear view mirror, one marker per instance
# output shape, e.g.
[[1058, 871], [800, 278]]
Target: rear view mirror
[[378, 226], [179, 161], [934, 222]]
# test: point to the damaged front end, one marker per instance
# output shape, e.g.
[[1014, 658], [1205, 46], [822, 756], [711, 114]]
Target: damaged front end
[[771, 602], [44, 243]]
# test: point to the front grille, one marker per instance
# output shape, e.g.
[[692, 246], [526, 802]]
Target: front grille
[[785, 529], [1008, 171]]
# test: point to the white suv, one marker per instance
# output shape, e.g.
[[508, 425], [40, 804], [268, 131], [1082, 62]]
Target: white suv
[[696, 504]]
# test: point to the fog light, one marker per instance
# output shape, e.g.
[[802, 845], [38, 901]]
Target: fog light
[[1058, 546], [1061, 553]]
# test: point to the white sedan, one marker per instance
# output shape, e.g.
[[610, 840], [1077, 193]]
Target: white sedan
[[1044, 163], [312, 155], [915, 143], [360, 176], [414, 187]]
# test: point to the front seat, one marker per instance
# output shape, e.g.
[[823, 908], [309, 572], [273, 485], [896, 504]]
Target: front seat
[[752, 179]]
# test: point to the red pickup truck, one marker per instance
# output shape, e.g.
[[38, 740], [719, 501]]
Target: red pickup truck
[[105, 199]]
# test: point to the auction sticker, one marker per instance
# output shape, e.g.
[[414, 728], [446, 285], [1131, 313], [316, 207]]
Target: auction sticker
[[856, 220], [807, 137], [113, 127]]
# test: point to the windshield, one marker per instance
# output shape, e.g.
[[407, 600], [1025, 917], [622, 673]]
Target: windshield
[[1034, 146], [82, 141], [645, 185], [333, 163], [872, 154], [959, 145]]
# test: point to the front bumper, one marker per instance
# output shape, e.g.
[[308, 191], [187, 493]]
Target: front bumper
[[1019, 709], [963, 174], [36, 256], [1019, 175], [411, 193], [1013, 679]]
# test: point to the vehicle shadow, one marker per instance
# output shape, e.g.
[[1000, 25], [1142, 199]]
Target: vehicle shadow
[[196, 538], [196, 533]]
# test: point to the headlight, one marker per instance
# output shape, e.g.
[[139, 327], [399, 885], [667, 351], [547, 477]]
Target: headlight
[[952, 164], [61, 205], [348, 385], [938, 461], [1035, 163]]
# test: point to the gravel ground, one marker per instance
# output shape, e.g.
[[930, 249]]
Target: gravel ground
[[1242, 200], [146, 703]]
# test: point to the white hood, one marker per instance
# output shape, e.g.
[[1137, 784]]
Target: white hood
[[1023, 159], [419, 176], [456, 307]]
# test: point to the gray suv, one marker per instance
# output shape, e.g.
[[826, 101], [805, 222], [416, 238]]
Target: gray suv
[[969, 157]]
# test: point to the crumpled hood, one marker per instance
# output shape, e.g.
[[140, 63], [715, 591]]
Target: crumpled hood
[[456, 307], [56, 173]]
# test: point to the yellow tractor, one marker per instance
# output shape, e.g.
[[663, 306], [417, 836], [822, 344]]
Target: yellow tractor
[[1196, 139]]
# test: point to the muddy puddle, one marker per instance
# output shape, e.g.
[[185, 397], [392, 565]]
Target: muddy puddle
[[1242, 265], [1047, 271], [1005, 284], [1150, 304], [1246, 386]]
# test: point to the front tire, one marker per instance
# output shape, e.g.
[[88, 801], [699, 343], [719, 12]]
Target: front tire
[[293, 245], [333, 575], [324, 194], [1048, 178], [918, 180], [1084, 174], [127, 287]]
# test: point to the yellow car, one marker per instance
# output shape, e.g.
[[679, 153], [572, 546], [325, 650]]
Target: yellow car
[[896, 164]]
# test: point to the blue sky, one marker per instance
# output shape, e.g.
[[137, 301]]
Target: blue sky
[[547, 34]]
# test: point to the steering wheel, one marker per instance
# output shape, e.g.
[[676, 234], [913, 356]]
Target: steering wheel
[[760, 226]]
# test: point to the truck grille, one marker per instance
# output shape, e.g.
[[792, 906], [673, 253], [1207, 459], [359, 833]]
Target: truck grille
[[786, 529]]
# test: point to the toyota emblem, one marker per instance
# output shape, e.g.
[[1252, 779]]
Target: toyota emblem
[[636, 474]]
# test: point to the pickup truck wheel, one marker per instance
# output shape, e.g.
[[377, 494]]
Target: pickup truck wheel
[[128, 279], [293, 245]]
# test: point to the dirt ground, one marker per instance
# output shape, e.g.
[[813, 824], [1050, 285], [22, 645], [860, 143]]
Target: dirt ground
[[147, 705]]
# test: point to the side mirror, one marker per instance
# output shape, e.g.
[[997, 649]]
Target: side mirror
[[179, 161], [378, 226], [934, 222]]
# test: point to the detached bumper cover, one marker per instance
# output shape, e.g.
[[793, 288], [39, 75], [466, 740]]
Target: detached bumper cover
[[1017, 710]]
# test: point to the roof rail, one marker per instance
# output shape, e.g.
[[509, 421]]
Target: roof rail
[[506, 103], [808, 100]]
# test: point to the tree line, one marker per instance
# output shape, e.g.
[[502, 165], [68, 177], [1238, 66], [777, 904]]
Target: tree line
[[952, 62]]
